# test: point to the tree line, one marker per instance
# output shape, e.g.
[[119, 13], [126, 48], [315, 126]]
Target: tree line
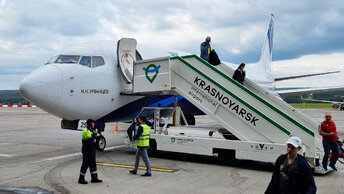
[[11, 97], [331, 96]]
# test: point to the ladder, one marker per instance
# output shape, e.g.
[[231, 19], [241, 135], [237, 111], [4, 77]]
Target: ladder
[[248, 111]]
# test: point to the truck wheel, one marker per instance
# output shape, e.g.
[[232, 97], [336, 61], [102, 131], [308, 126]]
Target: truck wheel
[[191, 120], [152, 150], [100, 143]]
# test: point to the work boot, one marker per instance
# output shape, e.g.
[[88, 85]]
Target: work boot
[[146, 174], [82, 180], [94, 179]]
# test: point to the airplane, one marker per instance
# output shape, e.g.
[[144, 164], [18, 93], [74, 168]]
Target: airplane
[[88, 80]]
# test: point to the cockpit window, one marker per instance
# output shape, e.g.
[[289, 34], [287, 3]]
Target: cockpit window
[[85, 61], [97, 61], [67, 59], [52, 60]]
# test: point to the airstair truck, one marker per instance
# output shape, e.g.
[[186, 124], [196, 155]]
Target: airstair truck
[[254, 124]]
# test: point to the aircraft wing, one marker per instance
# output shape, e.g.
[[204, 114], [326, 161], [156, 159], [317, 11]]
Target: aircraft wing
[[292, 91], [306, 75]]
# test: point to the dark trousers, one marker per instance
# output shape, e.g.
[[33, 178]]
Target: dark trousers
[[335, 151], [88, 161]]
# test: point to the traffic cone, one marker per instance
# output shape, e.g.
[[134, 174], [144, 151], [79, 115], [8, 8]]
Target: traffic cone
[[116, 128]]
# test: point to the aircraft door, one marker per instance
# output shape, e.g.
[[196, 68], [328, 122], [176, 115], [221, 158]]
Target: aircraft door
[[126, 56]]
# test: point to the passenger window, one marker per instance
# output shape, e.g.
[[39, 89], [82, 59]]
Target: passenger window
[[85, 61], [97, 61]]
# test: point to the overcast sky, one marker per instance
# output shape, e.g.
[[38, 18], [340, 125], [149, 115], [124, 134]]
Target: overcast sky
[[309, 35]]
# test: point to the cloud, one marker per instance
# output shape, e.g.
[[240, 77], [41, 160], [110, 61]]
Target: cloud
[[309, 64], [32, 31], [11, 82]]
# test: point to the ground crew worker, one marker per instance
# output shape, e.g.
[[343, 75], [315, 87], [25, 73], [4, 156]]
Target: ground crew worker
[[142, 142], [206, 48], [89, 135]]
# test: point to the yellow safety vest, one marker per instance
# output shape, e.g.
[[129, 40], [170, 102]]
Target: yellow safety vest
[[86, 134], [143, 140]]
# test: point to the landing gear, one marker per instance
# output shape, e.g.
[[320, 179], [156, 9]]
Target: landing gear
[[100, 143]]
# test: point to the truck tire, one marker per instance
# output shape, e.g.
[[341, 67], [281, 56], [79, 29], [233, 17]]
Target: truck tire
[[152, 150], [189, 118], [100, 143]]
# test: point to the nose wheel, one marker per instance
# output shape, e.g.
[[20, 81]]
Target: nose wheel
[[100, 143]]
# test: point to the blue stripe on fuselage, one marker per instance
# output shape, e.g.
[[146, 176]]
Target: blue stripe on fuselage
[[130, 110]]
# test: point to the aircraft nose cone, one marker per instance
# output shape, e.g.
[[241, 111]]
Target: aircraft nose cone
[[43, 87]]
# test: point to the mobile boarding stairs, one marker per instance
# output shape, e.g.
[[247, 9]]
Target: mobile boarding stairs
[[260, 121]]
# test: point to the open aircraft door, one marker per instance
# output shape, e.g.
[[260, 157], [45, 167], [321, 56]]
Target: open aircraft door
[[126, 56]]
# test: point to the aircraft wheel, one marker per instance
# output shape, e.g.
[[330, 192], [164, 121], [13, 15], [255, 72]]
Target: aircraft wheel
[[100, 143]]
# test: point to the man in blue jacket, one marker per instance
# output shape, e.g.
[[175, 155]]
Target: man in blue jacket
[[292, 173], [205, 48]]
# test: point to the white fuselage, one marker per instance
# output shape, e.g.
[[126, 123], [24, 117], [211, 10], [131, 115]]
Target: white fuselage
[[74, 91]]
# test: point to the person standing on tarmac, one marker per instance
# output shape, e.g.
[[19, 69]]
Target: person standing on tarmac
[[328, 131], [206, 48], [142, 142], [89, 135], [292, 173]]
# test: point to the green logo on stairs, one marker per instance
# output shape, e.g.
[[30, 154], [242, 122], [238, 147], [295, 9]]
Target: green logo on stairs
[[153, 68]]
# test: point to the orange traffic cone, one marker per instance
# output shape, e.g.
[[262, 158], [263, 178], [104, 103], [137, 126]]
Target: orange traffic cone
[[116, 128]]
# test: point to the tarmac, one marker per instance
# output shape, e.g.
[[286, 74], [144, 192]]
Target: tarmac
[[37, 156]]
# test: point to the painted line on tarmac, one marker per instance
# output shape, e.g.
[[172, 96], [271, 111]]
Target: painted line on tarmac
[[114, 147], [59, 157], [71, 155], [64, 156], [5, 155], [140, 167]]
